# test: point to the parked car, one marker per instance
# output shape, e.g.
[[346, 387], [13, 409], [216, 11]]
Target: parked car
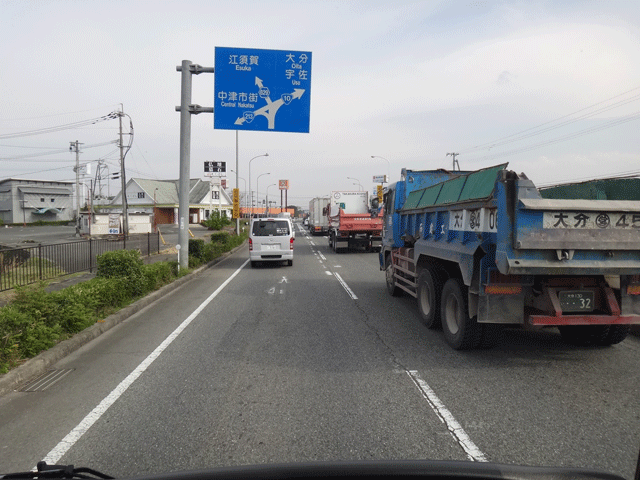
[[271, 240]]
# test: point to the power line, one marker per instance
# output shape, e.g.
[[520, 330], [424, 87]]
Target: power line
[[51, 152], [27, 146], [570, 136], [59, 128], [502, 141], [57, 114]]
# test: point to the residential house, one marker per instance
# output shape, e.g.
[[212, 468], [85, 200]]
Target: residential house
[[160, 197]]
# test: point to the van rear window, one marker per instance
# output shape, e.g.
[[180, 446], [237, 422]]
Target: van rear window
[[264, 228]]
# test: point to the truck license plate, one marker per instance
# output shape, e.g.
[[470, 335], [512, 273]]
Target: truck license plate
[[576, 300]]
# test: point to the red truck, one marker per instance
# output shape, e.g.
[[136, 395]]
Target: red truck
[[353, 222]]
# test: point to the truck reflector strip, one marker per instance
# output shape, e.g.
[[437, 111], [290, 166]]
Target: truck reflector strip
[[633, 290], [503, 289]]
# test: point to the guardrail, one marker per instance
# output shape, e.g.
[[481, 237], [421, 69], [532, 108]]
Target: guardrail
[[27, 265]]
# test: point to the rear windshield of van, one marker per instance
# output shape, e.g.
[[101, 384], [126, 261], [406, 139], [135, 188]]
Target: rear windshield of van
[[264, 228]]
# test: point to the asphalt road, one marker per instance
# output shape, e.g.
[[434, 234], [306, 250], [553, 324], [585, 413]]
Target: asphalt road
[[317, 362]]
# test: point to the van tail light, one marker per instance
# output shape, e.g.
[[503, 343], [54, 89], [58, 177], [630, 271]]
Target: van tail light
[[291, 243], [250, 245]]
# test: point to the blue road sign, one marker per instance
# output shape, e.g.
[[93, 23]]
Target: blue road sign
[[265, 90]]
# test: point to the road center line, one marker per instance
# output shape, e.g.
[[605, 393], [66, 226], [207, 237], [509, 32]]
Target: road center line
[[346, 287], [72, 437], [455, 429]]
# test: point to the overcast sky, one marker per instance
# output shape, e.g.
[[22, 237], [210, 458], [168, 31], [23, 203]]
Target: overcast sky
[[552, 87]]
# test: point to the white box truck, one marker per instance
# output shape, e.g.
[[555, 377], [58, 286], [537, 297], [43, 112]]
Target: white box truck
[[318, 223]]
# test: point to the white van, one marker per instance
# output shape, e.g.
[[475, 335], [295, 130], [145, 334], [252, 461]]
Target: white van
[[271, 240]]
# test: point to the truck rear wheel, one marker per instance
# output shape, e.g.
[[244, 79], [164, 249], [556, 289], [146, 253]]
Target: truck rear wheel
[[460, 331], [617, 333], [429, 297], [601, 335], [392, 288]]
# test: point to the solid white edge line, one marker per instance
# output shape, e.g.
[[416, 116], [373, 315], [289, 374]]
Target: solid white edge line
[[346, 287], [456, 430], [72, 437]]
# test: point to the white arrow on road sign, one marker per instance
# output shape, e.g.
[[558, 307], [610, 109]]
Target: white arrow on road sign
[[271, 108]]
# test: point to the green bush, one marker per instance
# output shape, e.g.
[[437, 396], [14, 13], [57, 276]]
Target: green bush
[[157, 275], [123, 264], [174, 265], [220, 237], [13, 323], [103, 295], [119, 263], [196, 248], [37, 304], [214, 250], [194, 262], [216, 222]]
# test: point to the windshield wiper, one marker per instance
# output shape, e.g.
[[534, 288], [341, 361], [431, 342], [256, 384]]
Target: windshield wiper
[[57, 471]]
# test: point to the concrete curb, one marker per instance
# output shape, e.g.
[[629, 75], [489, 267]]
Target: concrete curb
[[39, 364]]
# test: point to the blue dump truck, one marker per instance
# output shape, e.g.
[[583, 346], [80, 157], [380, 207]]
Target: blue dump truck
[[483, 250]]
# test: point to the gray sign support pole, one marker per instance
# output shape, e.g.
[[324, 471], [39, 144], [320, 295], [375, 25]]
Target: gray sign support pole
[[186, 109], [237, 186], [185, 163]]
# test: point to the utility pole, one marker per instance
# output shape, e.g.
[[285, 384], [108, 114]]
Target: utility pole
[[455, 162], [76, 145], [186, 109], [123, 182]]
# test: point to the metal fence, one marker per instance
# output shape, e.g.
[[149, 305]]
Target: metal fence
[[27, 265]]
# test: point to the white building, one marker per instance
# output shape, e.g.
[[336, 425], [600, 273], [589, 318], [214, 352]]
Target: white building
[[29, 201]]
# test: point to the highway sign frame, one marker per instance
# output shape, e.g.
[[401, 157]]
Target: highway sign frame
[[262, 90]]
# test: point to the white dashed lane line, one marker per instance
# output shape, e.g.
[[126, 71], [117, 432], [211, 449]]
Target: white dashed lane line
[[322, 259]]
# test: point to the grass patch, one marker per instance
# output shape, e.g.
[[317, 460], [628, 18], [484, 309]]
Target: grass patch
[[30, 271]]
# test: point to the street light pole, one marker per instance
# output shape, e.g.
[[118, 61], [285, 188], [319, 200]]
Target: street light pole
[[264, 155], [267, 198], [257, 183], [378, 156], [359, 185]]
